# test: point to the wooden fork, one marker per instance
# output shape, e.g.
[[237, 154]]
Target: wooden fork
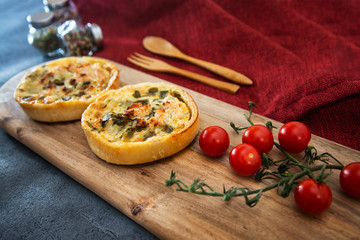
[[156, 65]]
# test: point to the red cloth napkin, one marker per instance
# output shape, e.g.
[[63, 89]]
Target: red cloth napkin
[[303, 56]]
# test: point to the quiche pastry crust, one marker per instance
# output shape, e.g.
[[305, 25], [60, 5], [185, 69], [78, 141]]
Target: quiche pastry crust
[[140, 123], [61, 90]]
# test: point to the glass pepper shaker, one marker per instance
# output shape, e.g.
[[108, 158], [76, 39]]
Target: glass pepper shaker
[[43, 33], [80, 40], [62, 9]]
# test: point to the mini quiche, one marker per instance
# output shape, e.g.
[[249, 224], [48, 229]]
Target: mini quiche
[[140, 123], [61, 90]]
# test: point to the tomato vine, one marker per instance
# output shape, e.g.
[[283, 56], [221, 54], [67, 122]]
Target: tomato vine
[[287, 172]]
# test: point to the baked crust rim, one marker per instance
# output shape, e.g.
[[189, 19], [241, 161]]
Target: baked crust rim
[[61, 111], [131, 153]]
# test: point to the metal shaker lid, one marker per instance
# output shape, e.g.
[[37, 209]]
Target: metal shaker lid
[[41, 19], [56, 4]]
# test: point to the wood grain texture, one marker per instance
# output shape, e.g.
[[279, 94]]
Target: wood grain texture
[[140, 193]]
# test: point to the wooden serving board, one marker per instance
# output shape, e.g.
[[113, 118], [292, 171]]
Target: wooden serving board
[[140, 193]]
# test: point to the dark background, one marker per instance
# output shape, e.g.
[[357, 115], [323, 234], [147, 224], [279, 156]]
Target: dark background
[[37, 200]]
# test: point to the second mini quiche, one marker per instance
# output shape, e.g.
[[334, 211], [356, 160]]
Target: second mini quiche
[[140, 123], [60, 90]]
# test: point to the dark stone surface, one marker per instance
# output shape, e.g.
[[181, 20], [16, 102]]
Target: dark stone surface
[[37, 200]]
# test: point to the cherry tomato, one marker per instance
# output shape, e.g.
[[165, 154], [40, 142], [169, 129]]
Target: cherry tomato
[[350, 179], [294, 137], [260, 137], [312, 197], [214, 141], [245, 159]]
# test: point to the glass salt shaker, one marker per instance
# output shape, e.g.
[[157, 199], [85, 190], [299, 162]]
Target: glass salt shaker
[[43, 33], [63, 10], [80, 40]]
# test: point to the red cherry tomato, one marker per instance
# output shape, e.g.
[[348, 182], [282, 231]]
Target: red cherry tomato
[[244, 159], [214, 141], [312, 197], [350, 179], [260, 137], [294, 137]]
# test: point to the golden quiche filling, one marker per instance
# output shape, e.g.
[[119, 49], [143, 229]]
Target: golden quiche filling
[[61, 90], [140, 123], [141, 114], [70, 81]]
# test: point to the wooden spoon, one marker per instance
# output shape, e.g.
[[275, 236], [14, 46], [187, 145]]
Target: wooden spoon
[[163, 47]]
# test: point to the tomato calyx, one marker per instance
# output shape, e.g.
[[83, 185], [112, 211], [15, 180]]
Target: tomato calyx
[[248, 118], [312, 197], [311, 155]]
